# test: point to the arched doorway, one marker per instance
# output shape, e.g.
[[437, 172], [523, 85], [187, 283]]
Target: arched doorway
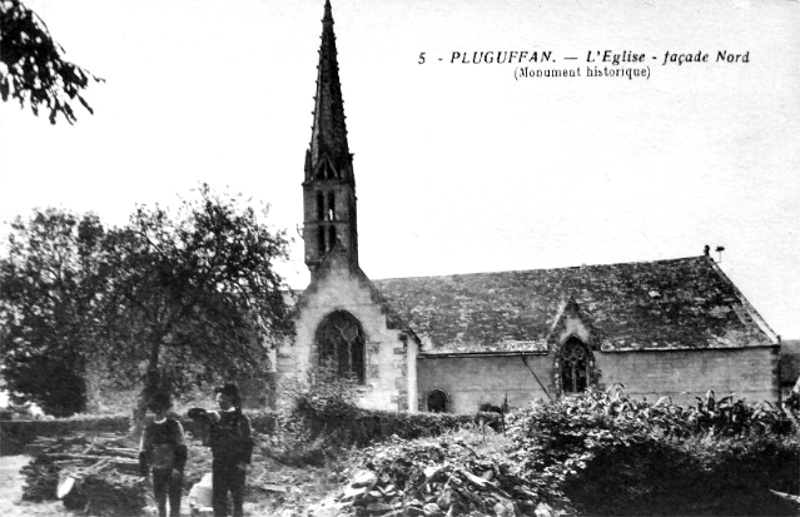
[[340, 345], [576, 364], [438, 401]]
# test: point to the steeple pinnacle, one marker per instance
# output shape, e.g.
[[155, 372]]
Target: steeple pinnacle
[[328, 155]]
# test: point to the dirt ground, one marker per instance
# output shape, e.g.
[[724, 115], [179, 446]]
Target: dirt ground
[[11, 503], [307, 486]]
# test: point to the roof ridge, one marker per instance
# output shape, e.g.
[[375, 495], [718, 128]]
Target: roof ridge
[[583, 266]]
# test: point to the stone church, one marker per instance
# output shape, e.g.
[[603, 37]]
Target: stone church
[[673, 328]]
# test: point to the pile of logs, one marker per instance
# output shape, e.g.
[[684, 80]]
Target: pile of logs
[[96, 472]]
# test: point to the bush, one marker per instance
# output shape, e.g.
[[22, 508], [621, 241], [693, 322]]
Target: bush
[[263, 421], [322, 420], [612, 455]]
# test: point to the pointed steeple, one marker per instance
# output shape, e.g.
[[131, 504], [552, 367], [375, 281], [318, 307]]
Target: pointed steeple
[[329, 188], [328, 155]]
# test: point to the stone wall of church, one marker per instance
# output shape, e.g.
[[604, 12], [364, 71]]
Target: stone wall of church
[[474, 380], [749, 373], [470, 381], [386, 355]]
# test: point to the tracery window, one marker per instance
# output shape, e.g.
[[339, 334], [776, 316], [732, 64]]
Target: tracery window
[[340, 345], [575, 364]]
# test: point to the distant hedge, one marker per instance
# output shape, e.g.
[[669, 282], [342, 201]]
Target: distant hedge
[[16, 434], [373, 426], [333, 416], [262, 421], [359, 427]]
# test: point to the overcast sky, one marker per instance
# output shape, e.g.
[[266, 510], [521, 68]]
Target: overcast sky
[[460, 167]]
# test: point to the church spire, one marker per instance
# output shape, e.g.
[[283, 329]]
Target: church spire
[[328, 154], [329, 189]]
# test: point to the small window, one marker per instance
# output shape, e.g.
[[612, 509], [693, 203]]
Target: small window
[[320, 206], [438, 401], [331, 237], [321, 240], [331, 207]]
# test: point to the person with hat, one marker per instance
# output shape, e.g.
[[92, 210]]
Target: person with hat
[[163, 449], [229, 436]]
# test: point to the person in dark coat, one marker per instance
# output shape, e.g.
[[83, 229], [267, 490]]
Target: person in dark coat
[[163, 449], [230, 437]]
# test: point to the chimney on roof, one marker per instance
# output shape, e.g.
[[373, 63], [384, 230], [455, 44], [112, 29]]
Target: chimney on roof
[[706, 250]]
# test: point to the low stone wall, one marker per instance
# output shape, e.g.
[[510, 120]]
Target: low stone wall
[[16, 434]]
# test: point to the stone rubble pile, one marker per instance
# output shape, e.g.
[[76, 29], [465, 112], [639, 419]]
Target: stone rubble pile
[[446, 490]]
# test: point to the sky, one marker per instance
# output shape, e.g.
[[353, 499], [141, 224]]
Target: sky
[[460, 167]]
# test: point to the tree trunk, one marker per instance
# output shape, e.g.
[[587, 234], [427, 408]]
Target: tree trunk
[[152, 384], [139, 416]]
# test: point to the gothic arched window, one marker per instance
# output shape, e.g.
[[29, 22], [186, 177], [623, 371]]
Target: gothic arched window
[[340, 345], [575, 364]]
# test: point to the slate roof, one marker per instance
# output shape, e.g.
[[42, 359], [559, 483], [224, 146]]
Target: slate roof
[[685, 303]]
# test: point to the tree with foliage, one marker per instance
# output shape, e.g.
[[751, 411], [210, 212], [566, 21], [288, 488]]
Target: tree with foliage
[[194, 297], [33, 70], [49, 286], [167, 302]]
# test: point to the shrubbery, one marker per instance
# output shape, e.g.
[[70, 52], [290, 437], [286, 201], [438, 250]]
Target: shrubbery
[[612, 455], [596, 454], [322, 419]]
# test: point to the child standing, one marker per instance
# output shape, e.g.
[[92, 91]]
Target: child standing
[[231, 446], [163, 448], [229, 434]]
